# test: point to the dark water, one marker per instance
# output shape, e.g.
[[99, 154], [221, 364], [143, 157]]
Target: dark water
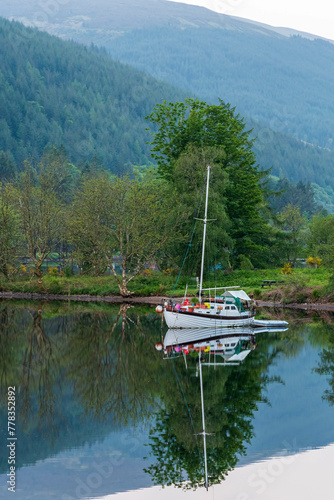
[[99, 411]]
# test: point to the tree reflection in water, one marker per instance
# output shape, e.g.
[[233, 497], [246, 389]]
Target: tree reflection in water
[[84, 370], [326, 363], [79, 370], [231, 394]]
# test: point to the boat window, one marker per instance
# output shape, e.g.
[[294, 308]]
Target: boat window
[[227, 345], [232, 345], [233, 307], [227, 308], [212, 307]]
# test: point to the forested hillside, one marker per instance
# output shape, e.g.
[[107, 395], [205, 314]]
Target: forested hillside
[[277, 81], [57, 92], [285, 83]]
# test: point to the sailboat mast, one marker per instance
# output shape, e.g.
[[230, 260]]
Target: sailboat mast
[[203, 422], [204, 232]]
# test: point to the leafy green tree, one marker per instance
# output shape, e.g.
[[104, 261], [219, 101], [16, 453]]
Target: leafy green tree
[[41, 213], [321, 238], [188, 183], [131, 219], [293, 224], [194, 122], [10, 239]]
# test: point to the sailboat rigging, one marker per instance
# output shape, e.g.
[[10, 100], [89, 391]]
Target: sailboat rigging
[[232, 308]]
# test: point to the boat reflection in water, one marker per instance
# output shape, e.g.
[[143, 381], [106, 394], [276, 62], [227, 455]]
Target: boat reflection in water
[[232, 345], [204, 452]]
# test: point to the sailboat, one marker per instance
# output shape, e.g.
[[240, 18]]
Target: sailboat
[[231, 308]]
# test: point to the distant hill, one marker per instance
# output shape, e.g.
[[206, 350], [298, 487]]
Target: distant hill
[[280, 79], [57, 92], [283, 82]]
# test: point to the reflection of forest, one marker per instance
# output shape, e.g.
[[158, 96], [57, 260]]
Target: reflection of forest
[[326, 363], [230, 394], [231, 397], [85, 370], [79, 371]]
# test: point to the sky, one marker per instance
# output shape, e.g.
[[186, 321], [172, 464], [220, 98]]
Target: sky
[[311, 16]]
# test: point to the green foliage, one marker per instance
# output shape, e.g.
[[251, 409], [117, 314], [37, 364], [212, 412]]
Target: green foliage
[[243, 66], [217, 128], [321, 238], [324, 196], [10, 237], [245, 263], [293, 224], [7, 167], [300, 195], [38, 202], [188, 183], [316, 294], [135, 218]]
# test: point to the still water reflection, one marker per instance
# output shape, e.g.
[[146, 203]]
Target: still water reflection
[[100, 411]]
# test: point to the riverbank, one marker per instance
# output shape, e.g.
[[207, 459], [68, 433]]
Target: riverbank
[[304, 289], [151, 300], [114, 299]]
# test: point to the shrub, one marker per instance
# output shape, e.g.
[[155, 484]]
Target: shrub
[[316, 294], [287, 269], [245, 263], [53, 271], [68, 271], [313, 262], [300, 298]]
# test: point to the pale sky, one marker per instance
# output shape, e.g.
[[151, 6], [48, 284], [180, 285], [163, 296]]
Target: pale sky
[[312, 16]]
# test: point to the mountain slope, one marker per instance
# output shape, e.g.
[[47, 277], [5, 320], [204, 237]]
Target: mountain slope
[[285, 83], [280, 82], [56, 92], [120, 16]]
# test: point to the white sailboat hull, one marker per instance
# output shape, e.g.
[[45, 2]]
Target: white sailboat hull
[[177, 336], [176, 319]]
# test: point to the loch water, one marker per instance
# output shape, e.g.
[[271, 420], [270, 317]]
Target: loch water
[[101, 413]]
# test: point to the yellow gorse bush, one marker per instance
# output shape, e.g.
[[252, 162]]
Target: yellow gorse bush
[[313, 261], [287, 269]]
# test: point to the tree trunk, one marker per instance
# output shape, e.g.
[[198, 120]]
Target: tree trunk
[[39, 275], [124, 290]]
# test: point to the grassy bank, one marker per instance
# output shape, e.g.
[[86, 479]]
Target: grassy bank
[[301, 285]]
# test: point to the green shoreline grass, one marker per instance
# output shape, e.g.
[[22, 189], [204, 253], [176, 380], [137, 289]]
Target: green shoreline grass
[[299, 285]]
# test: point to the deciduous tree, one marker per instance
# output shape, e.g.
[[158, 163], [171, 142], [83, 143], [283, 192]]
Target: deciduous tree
[[132, 218], [40, 213], [9, 232]]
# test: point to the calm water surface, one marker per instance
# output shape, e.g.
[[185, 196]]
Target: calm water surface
[[99, 412]]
